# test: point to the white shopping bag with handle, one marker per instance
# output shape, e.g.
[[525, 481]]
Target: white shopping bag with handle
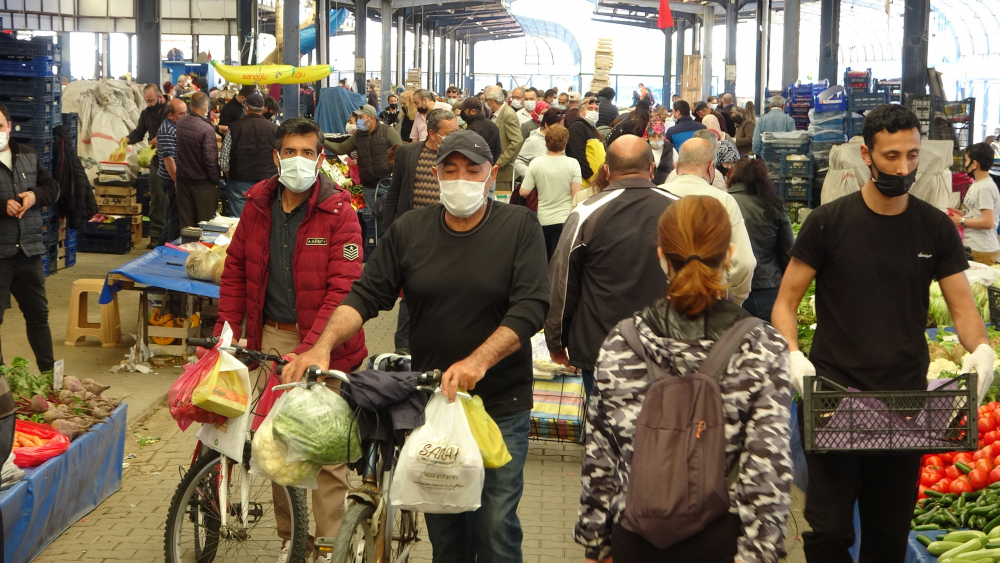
[[230, 437], [440, 470]]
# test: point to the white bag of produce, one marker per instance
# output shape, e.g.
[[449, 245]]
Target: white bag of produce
[[230, 437], [440, 470], [267, 457]]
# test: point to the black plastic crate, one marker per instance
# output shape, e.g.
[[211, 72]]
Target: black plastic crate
[[38, 66], [796, 168], [836, 419], [34, 129], [854, 125], [866, 101], [145, 227], [11, 48], [42, 146], [798, 191], [31, 110], [106, 238], [41, 89]]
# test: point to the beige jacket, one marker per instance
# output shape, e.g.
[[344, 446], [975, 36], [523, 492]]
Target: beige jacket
[[510, 143]]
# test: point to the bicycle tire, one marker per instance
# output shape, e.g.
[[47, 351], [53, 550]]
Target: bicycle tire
[[357, 518], [206, 467]]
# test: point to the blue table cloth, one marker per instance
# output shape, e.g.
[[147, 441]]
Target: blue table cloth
[[164, 268], [57, 493]]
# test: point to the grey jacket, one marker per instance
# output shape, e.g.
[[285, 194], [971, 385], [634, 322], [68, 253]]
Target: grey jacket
[[771, 237], [400, 197], [28, 175]]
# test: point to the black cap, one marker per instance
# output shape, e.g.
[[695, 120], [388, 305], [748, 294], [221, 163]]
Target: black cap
[[698, 106], [255, 100], [469, 143], [247, 90]]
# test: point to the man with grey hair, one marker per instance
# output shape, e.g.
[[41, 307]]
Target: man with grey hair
[[708, 135], [695, 172], [424, 100], [774, 121], [197, 165], [247, 151], [149, 123], [510, 136], [725, 106], [413, 186]]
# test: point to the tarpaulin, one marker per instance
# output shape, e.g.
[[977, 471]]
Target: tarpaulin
[[54, 495], [163, 268], [334, 108]]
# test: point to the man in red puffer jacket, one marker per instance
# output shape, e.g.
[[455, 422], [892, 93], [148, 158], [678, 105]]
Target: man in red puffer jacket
[[293, 259]]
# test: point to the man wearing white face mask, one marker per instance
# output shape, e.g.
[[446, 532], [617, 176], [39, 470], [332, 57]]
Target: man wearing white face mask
[[293, 258], [581, 131], [695, 172], [474, 275], [530, 99], [510, 136]]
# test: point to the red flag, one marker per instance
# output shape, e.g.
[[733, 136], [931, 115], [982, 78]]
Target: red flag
[[666, 19]]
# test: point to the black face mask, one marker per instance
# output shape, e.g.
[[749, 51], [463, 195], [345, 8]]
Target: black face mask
[[891, 185], [421, 109], [737, 119], [392, 106], [463, 116]]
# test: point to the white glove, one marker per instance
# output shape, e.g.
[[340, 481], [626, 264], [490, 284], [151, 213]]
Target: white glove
[[800, 367], [982, 361]]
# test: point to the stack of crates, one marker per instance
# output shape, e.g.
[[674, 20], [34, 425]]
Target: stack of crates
[[67, 250], [31, 91], [800, 101], [775, 149], [71, 121], [796, 179], [52, 226], [105, 238], [861, 97], [121, 201], [892, 88], [857, 81]]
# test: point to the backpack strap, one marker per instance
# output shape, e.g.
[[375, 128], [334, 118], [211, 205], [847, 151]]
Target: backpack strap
[[724, 348], [630, 333]]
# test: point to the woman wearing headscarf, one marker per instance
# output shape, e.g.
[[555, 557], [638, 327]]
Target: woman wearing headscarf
[[663, 150], [712, 123], [541, 106], [746, 121], [409, 114], [726, 158]]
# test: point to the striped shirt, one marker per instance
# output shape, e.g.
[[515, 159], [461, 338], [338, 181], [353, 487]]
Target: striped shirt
[[166, 145], [425, 188]]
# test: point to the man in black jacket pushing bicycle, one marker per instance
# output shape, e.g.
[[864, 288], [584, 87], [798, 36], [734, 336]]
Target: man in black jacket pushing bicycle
[[474, 275]]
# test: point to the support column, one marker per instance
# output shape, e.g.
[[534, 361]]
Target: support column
[[416, 41], [131, 71], [386, 15], [430, 55], [472, 69], [290, 106], [453, 63], [322, 40], [790, 47], [763, 41], [681, 27], [706, 65], [829, 40], [442, 85], [246, 23], [915, 21], [66, 58], [98, 71], [360, 40], [732, 13], [106, 58], [668, 35], [400, 40], [147, 42]]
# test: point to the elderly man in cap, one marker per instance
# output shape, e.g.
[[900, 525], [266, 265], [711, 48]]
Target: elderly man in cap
[[233, 110], [474, 274], [372, 140], [245, 156]]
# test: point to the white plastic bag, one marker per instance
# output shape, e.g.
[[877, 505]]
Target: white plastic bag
[[229, 438], [267, 457], [317, 425], [440, 470]]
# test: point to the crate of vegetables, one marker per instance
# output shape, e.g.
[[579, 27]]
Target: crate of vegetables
[[836, 418]]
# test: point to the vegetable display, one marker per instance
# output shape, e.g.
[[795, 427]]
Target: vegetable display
[[317, 425]]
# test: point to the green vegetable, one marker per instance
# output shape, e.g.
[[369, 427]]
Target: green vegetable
[[938, 309], [964, 468], [994, 522], [971, 545], [925, 528], [926, 541], [974, 555], [963, 536], [23, 383], [317, 425], [933, 494], [940, 547]]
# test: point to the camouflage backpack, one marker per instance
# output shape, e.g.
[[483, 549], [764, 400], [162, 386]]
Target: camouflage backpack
[[681, 431]]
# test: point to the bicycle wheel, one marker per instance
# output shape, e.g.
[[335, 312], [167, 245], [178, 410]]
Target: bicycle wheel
[[405, 532], [194, 531], [355, 542]]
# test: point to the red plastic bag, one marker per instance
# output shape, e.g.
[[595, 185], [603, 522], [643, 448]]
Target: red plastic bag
[[30, 457], [179, 396], [267, 399]]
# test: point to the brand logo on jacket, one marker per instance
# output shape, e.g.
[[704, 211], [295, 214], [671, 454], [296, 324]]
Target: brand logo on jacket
[[922, 255], [351, 251], [316, 242]]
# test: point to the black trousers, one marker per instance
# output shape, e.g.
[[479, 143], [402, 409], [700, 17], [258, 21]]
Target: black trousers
[[551, 234], [715, 544], [196, 201], [24, 278], [885, 489], [171, 226]]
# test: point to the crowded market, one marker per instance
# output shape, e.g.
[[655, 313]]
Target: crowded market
[[500, 281]]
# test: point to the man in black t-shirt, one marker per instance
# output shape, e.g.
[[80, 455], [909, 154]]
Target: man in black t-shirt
[[233, 109], [873, 255]]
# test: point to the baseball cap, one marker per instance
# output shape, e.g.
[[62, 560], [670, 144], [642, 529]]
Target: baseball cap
[[365, 110], [254, 100], [467, 142], [247, 90], [698, 106]]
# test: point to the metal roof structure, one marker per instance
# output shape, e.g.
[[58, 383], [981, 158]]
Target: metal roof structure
[[551, 30]]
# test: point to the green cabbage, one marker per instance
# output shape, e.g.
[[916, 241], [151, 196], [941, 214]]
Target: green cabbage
[[317, 425], [938, 310]]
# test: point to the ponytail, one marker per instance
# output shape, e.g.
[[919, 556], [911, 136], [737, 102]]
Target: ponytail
[[694, 235]]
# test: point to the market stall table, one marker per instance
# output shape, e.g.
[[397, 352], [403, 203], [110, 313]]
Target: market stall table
[[161, 268], [54, 495]]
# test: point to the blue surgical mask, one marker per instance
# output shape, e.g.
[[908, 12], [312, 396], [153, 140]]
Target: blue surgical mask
[[362, 125]]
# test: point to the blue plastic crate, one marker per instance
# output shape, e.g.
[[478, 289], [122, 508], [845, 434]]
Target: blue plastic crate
[[31, 110], [796, 191], [854, 125], [70, 258], [39, 66], [836, 103], [71, 238], [866, 101], [36, 47], [796, 168], [39, 89], [34, 129]]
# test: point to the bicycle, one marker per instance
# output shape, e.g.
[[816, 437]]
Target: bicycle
[[214, 481]]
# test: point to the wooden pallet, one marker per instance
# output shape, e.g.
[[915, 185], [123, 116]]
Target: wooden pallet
[[691, 79], [604, 59], [413, 79]]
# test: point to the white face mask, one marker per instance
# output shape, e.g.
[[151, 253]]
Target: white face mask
[[529, 105], [462, 198], [461, 122], [663, 266], [591, 116], [560, 107], [351, 128], [298, 173], [4, 137], [516, 104], [656, 145]]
